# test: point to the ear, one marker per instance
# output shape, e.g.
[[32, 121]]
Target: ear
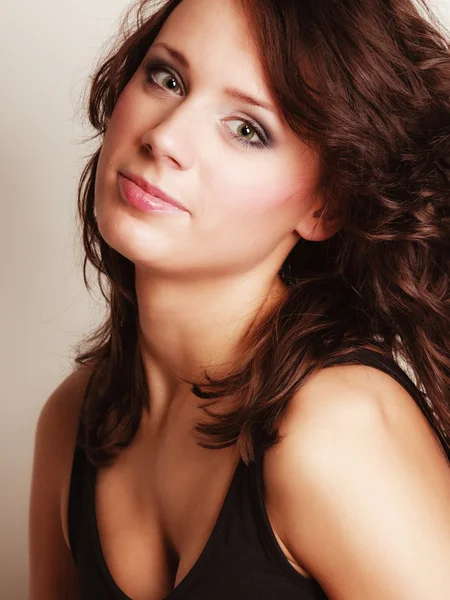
[[318, 224]]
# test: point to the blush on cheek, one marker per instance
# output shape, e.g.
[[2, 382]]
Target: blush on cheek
[[255, 194], [271, 196]]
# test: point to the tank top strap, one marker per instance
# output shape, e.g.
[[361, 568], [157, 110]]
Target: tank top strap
[[75, 498], [77, 477]]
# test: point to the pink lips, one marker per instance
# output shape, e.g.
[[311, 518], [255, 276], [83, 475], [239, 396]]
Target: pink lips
[[146, 197]]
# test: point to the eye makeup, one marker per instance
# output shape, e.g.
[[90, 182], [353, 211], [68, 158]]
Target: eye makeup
[[155, 65]]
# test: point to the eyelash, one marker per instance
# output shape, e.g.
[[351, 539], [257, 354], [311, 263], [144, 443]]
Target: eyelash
[[265, 142]]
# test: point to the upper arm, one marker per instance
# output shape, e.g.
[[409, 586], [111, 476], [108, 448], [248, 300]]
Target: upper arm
[[52, 572], [360, 490]]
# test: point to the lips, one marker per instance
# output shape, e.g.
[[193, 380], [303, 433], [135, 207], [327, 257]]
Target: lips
[[145, 185]]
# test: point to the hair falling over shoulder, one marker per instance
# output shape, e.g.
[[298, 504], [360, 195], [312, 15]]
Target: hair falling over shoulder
[[367, 83]]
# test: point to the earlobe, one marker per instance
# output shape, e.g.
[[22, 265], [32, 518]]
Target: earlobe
[[319, 227]]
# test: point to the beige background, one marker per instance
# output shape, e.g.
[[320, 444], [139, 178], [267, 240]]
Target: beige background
[[47, 49]]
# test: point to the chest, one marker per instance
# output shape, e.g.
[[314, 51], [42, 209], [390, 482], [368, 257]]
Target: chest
[[154, 518], [159, 524]]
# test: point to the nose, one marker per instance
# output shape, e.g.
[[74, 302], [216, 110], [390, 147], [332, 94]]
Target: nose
[[173, 137]]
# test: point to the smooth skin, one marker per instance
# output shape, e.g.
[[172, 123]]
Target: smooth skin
[[358, 490]]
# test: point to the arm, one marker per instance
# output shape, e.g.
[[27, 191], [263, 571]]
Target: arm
[[359, 489], [52, 572]]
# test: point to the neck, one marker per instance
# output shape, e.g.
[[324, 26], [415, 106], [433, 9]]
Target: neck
[[186, 328]]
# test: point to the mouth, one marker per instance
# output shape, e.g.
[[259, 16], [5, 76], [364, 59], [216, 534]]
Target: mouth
[[151, 189]]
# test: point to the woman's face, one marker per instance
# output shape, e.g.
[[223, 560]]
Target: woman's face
[[248, 182]]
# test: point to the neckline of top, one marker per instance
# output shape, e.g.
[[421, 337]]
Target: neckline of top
[[191, 575]]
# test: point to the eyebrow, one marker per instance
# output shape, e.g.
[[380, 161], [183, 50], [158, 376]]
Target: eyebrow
[[233, 92]]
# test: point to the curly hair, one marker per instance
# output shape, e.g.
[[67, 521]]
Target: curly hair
[[366, 83]]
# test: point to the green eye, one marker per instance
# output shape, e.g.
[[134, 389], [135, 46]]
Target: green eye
[[248, 125], [151, 69]]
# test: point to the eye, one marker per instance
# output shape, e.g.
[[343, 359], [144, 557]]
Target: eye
[[246, 130], [150, 69], [265, 140]]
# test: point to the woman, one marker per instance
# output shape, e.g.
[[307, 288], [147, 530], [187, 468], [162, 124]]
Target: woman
[[239, 425]]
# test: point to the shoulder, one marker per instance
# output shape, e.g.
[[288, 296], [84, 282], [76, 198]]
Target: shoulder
[[64, 402], [52, 572], [58, 419], [359, 488], [67, 397], [55, 436]]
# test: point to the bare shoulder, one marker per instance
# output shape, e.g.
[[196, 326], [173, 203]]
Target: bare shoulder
[[345, 395], [51, 567], [359, 488], [59, 418]]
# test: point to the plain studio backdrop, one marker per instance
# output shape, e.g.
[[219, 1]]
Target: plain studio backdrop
[[47, 50]]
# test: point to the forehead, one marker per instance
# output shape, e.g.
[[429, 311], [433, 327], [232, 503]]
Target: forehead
[[213, 33]]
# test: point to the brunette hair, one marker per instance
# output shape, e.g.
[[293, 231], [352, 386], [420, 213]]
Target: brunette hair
[[366, 83]]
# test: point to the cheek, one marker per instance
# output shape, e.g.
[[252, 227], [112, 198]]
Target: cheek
[[129, 116], [121, 123], [257, 198]]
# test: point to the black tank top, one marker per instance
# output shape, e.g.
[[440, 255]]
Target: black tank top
[[241, 559]]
